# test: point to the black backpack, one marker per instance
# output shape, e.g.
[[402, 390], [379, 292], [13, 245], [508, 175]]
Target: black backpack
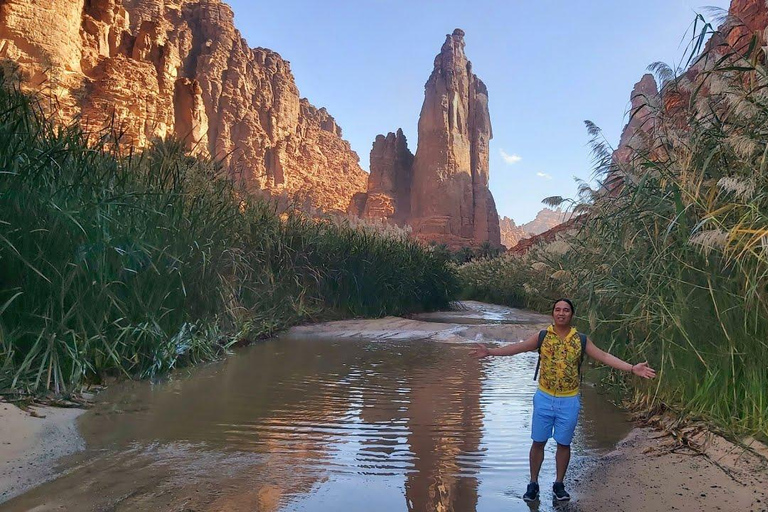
[[543, 334]]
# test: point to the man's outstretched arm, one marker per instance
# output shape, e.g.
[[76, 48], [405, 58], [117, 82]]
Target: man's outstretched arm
[[512, 349], [639, 369]]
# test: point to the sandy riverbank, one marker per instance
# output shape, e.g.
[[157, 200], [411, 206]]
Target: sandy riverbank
[[650, 472], [31, 443]]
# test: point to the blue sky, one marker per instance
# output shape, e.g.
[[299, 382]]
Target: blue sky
[[548, 65]]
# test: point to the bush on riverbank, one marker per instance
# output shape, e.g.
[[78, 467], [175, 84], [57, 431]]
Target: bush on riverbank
[[137, 264], [673, 266]]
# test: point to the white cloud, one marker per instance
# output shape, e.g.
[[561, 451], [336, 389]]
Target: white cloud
[[510, 159], [544, 175]]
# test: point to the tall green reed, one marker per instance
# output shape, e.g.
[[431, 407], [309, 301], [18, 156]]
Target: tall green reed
[[122, 262], [672, 265]]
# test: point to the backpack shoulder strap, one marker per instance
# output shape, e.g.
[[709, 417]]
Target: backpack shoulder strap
[[583, 338], [542, 335]]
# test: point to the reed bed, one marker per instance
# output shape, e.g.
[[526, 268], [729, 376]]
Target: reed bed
[[672, 266], [115, 262]]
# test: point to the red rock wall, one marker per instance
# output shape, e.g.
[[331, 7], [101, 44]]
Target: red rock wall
[[450, 199], [442, 192], [389, 183], [155, 68]]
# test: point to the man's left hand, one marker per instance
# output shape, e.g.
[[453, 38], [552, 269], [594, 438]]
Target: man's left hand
[[643, 370]]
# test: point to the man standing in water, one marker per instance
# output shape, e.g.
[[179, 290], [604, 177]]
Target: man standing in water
[[556, 403]]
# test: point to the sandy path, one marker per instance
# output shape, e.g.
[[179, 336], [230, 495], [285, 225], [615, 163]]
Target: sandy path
[[30, 444], [643, 475]]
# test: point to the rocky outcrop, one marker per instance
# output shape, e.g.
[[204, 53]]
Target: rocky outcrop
[[450, 198], [157, 68], [637, 132], [442, 192], [389, 182], [526, 244], [510, 232], [545, 220], [747, 20], [748, 17]]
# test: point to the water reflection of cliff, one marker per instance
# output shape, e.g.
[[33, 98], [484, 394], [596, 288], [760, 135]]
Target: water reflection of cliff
[[446, 422], [440, 406], [274, 427]]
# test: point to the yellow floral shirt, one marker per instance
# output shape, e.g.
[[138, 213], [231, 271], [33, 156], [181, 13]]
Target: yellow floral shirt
[[559, 370]]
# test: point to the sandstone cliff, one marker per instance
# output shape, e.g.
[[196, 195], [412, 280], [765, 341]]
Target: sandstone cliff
[[639, 128], [746, 20], [510, 232], [545, 237], [158, 68], [389, 182], [442, 192], [545, 220], [450, 198]]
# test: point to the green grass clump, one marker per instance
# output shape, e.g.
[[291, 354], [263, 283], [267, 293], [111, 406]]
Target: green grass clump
[[133, 265], [672, 266]]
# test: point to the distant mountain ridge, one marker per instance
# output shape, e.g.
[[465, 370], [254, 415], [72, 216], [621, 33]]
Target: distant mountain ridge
[[545, 220]]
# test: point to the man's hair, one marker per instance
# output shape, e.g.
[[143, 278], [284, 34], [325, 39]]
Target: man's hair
[[573, 309]]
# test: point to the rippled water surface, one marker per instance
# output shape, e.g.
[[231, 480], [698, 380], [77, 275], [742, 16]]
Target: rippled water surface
[[334, 425]]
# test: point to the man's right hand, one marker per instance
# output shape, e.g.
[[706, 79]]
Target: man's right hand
[[481, 351]]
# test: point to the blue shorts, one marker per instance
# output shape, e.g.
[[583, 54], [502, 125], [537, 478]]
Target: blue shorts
[[554, 416]]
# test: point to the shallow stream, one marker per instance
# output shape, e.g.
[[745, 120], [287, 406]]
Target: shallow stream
[[296, 424]]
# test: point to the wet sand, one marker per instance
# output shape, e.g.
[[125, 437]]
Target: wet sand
[[650, 472], [501, 324], [31, 443]]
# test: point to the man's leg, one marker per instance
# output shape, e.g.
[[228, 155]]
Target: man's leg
[[536, 458], [542, 424], [565, 425], [562, 458]]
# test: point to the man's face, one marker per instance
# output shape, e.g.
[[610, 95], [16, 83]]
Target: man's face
[[562, 314]]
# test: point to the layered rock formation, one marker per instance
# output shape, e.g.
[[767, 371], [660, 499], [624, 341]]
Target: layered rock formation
[[747, 20], [450, 198], [389, 182], [637, 132], [447, 185], [751, 17], [510, 232], [545, 237], [155, 68], [546, 219]]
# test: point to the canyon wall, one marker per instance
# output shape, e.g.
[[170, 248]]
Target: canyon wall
[[510, 232], [747, 22], [151, 69]]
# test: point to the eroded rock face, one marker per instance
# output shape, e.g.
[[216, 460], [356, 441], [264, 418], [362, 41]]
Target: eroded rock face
[[450, 199], [389, 183], [155, 68], [753, 18], [511, 233], [747, 19], [545, 220], [638, 130], [442, 192]]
